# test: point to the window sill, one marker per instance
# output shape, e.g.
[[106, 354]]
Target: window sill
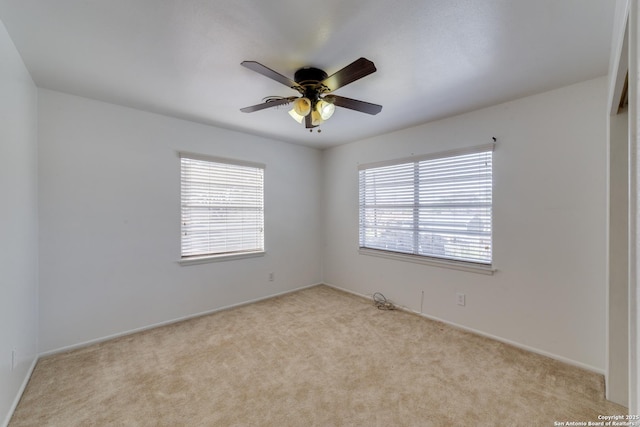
[[219, 258], [456, 265]]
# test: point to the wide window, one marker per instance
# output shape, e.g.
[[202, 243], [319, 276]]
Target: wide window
[[436, 206], [222, 207]]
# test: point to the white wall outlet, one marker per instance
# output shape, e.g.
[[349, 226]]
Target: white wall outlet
[[271, 277], [14, 360], [460, 298]]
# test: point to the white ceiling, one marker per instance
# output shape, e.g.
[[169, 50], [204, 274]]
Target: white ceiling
[[435, 58]]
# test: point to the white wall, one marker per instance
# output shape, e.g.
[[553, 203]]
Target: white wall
[[549, 224], [109, 220], [634, 205], [621, 376], [18, 223], [618, 330]]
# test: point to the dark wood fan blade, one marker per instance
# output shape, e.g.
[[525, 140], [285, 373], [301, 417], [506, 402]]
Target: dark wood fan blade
[[356, 70], [264, 105], [268, 72], [354, 104], [307, 122]]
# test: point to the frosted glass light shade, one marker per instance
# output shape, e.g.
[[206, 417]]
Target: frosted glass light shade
[[325, 109], [297, 117], [302, 106], [316, 118]]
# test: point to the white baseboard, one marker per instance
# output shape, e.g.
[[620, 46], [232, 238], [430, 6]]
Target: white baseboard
[[14, 405], [168, 322], [487, 335]]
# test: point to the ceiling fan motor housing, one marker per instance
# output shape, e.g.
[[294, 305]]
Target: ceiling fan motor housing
[[309, 79], [308, 75]]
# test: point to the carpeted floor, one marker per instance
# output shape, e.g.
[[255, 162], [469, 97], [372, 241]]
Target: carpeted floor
[[316, 357]]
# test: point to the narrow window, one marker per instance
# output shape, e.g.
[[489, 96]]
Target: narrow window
[[222, 207], [436, 206]]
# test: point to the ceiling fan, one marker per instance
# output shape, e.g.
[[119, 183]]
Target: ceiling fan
[[316, 103]]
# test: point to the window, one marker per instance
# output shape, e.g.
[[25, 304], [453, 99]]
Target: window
[[222, 207], [436, 206]]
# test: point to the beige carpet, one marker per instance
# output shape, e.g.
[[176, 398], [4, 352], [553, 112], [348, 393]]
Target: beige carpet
[[317, 357]]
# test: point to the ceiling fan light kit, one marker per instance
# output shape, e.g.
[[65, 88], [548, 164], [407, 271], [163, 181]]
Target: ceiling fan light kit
[[316, 104]]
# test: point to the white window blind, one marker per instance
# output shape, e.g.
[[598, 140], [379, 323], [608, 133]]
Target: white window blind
[[222, 206], [437, 206]]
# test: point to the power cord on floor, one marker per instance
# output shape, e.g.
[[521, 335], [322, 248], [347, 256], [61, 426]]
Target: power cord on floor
[[382, 303]]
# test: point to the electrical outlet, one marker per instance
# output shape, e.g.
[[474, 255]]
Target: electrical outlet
[[271, 277], [14, 360], [460, 299]]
